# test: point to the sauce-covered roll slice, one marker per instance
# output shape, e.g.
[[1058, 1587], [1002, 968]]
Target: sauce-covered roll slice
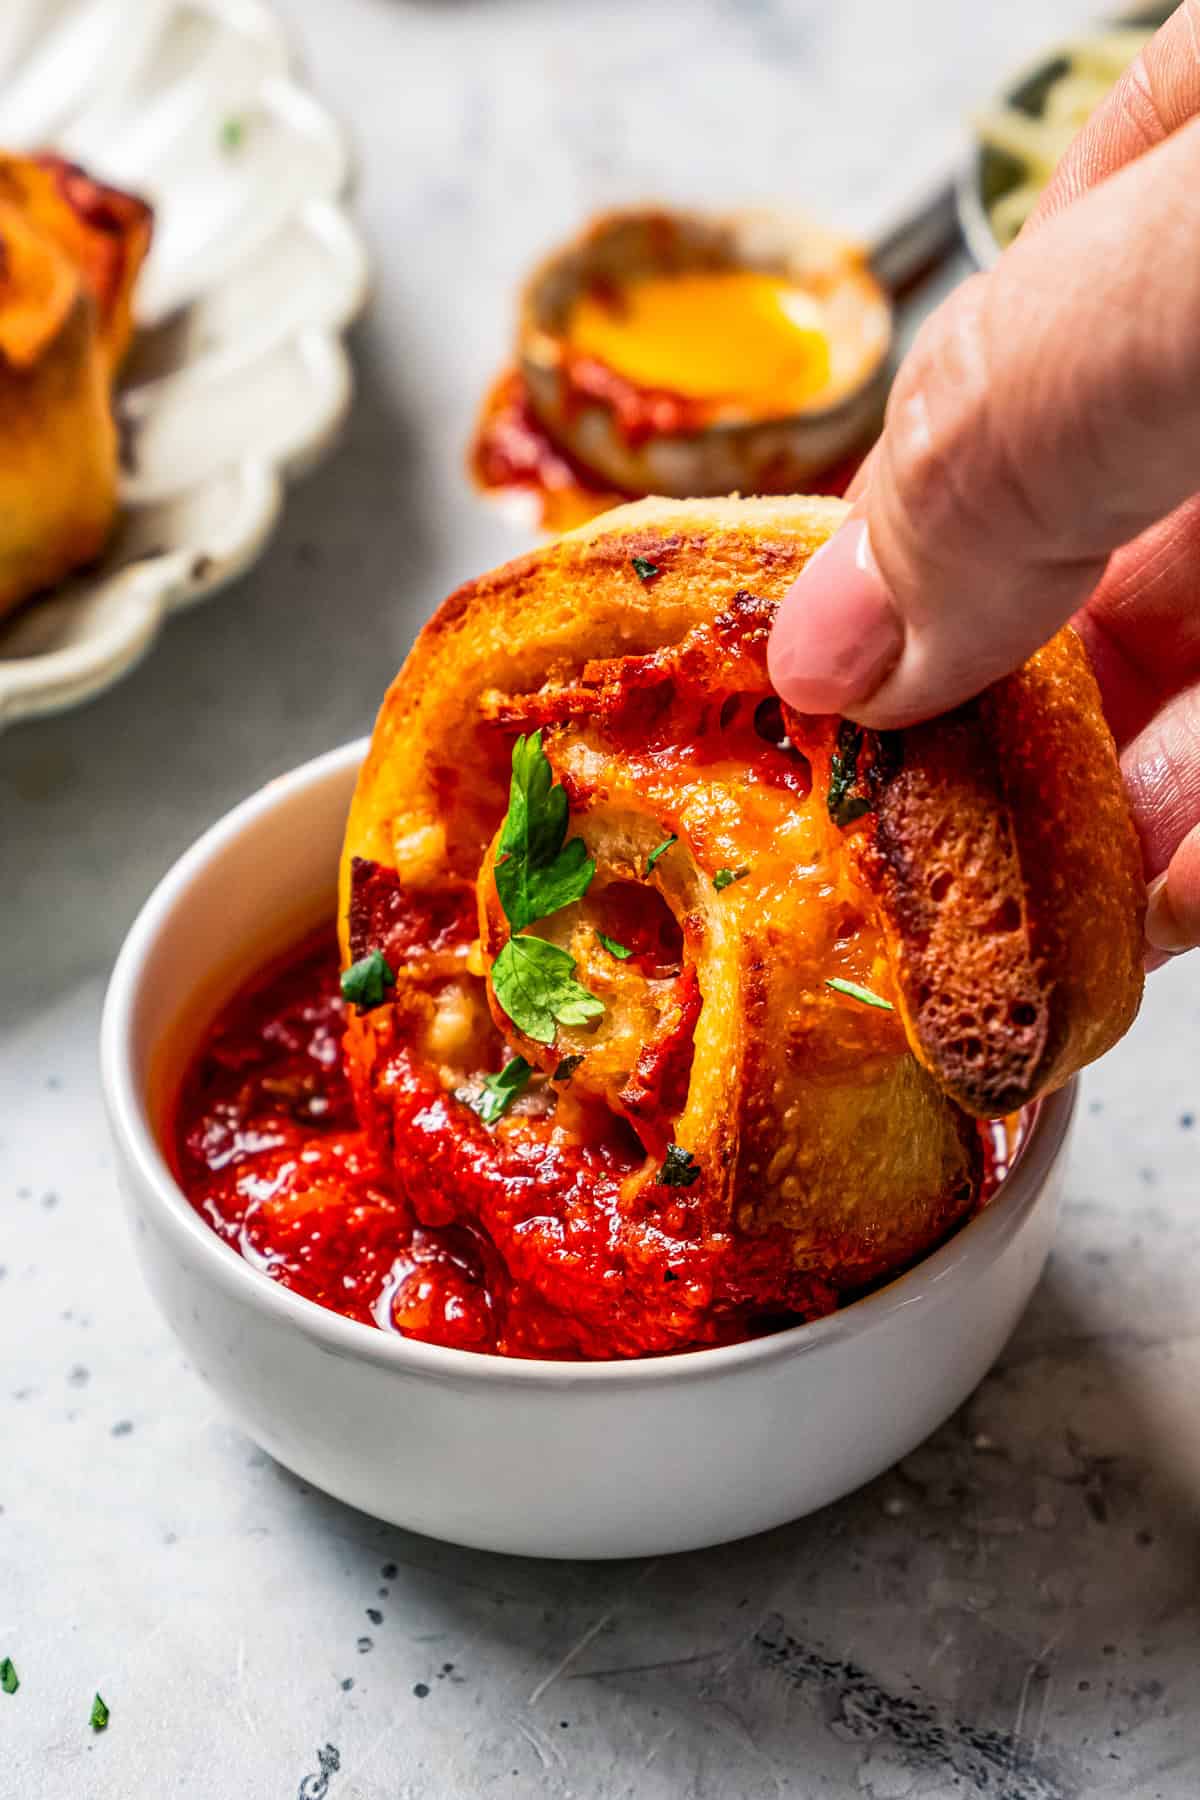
[[70, 252], [632, 967]]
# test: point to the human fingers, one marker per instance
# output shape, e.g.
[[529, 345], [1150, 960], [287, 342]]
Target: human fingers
[[1048, 413]]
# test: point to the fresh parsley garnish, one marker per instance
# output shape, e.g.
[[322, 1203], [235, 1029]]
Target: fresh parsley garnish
[[99, 1718], [620, 951], [536, 871], [567, 1068], [854, 992], [500, 1090], [644, 569], [660, 850], [365, 983], [844, 804], [10, 1681], [535, 984], [726, 877], [233, 134], [679, 1169]]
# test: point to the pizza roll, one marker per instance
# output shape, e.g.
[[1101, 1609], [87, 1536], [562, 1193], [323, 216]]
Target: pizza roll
[[70, 251], [689, 1006]]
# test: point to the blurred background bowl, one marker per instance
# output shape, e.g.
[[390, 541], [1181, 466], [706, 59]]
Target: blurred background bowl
[[989, 173], [739, 449]]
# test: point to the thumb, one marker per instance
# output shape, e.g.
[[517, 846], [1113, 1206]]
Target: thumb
[[1048, 412]]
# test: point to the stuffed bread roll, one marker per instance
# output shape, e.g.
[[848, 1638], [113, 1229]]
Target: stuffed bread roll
[[689, 1006], [70, 251]]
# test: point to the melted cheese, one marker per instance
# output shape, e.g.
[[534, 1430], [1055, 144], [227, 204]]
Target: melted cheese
[[732, 334]]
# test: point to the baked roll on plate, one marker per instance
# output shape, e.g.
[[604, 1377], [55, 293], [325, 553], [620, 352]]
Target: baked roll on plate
[[70, 251], [689, 1007]]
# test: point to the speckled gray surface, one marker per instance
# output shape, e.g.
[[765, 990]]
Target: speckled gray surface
[[1013, 1612]]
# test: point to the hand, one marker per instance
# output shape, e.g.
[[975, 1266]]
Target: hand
[[1040, 461]]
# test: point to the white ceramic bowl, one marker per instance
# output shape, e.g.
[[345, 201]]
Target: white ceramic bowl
[[537, 1458]]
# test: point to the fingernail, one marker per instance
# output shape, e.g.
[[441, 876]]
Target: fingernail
[[1164, 931], [837, 632]]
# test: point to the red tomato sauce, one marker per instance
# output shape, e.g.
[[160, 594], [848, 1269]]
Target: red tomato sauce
[[268, 1149], [428, 1223], [512, 454]]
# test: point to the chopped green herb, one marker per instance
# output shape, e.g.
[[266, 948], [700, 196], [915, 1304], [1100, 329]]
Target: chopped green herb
[[500, 1090], [726, 877], [365, 983], [535, 984], [660, 850], [680, 1168], [854, 992], [854, 806], [233, 134], [614, 949], [10, 1681], [99, 1718], [644, 569], [537, 872], [844, 804]]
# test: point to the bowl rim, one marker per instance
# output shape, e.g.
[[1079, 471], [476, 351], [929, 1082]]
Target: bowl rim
[[973, 1247]]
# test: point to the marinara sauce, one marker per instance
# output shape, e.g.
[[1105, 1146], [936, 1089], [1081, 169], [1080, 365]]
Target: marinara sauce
[[266, 1144], [268, 1150], [267, 1147], [513, 455]]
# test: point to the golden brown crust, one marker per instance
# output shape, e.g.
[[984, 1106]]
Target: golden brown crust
[[434, 784], [1016, 797], [102, 233], [1009, 872], [990, 840], [569, 601], [58, 459], [69, 253], [806, 1110]]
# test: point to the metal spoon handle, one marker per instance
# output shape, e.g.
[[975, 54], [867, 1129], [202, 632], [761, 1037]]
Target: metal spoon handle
[[913, 223], [918, 239]]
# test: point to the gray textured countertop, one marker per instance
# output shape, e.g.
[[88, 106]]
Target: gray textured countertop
[[1011, 1612]]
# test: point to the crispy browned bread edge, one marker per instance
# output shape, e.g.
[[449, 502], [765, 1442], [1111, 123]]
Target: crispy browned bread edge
[[1002, 850], [1018, 794]]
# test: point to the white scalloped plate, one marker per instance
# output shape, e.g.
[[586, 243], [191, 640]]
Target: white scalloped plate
[[238, 377]]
